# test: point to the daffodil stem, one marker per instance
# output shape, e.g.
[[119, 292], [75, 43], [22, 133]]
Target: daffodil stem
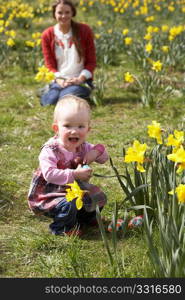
[[174, 195]]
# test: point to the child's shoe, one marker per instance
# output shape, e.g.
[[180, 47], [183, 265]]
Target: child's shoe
[[119, 225], [73, 232], [136, 222]]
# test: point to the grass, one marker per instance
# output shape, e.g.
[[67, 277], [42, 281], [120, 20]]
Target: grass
[[27, 249]]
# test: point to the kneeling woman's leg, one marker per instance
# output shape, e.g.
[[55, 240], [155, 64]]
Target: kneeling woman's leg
[[64, 217], [77, 90], [51, 96]]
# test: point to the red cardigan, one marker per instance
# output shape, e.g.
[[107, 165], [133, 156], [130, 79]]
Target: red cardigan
[[87, 42]]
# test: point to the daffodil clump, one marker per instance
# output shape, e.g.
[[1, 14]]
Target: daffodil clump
[[44, 75], [75, 193], [16, 17], [149, 81], [152, 187], [36, 40], [153, 169]]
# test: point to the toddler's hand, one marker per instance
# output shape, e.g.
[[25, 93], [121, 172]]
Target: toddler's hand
[[90, 156], [82, 173]]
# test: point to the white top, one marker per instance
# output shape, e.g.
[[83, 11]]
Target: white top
[[68, 62]]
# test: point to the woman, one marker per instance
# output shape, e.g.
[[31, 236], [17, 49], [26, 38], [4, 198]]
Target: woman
[[69, 52]]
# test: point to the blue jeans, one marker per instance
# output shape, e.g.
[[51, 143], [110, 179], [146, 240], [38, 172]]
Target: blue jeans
[[56, 92], [66, 216]]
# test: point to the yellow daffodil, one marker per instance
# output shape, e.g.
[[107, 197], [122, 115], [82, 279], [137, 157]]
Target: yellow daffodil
[[128, 77], [178, 155], [137, 13], [91, 3], [171, 37], [148, 37], [7, 23], [125, 31], [49, 76], [99, 23], [171, 8], [150, 29], [144, 10], [157, 7], [36, 35], [30, 44], [97, 35], [148, 47], [44, 75], [10, 42], [75, 192], [180, 191], [38, 42], [128, 40], [156, 29], [164, 28], [165, 49], [157, 66], [175, 139], [154, 131], [150, 19], [136, 154], [11, 33], [135, 4], [174, 31], [181, 167]]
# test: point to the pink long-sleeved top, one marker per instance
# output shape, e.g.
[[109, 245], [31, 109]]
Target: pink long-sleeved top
[[57, 163]]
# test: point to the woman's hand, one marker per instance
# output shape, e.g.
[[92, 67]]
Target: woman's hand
[[76, 80], [61, 82], [71, 81], [64, 82]]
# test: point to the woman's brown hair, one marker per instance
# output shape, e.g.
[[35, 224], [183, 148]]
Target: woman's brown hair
[[74, 25]]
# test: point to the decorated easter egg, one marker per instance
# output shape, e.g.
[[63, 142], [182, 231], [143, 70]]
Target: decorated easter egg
[[85, 167], [119, 225], [136, 222]]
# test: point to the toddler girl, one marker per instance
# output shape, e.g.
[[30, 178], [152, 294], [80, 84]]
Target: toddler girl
[[61, 162]]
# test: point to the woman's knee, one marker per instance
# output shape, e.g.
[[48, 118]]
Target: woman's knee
[[51, 96], [76, 90]]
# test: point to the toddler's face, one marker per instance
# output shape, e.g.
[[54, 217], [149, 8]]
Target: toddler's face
[[72, 128]]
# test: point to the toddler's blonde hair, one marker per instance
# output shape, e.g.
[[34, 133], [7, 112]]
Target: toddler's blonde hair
[[70, 102]]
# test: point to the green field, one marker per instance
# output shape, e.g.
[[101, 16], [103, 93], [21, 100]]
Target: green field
[[120, 115]]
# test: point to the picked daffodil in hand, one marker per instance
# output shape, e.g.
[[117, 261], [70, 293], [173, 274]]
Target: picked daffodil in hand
[[75, 192]]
